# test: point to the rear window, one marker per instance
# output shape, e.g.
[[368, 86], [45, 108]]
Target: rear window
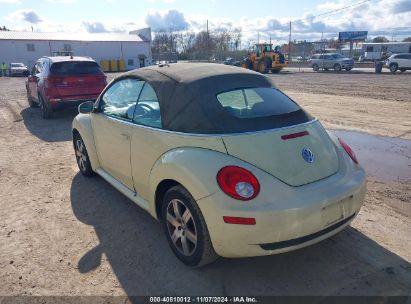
[[256, 102], [75, 67]]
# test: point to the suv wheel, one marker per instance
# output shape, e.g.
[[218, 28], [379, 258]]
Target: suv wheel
[[186, 229], [337, 67], [30, 100], [393, 67], [45, 109], [315, 67], [82, 158]]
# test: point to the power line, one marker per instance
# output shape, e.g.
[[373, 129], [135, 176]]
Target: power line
[[334, 11]]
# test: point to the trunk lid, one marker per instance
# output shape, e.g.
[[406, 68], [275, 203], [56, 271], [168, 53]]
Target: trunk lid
[[77, 85], [283, 157]]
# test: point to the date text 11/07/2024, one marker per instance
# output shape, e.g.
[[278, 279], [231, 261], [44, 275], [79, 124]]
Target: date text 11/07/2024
[[203, 300]]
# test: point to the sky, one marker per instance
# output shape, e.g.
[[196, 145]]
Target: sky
[[310, 20]]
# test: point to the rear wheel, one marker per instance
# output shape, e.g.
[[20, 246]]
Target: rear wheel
[[393, 67], [315, 67], [186, 229], [83, 161], [45, 109], [337, 67]]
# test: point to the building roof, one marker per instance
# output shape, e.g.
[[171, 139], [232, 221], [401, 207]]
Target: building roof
[[13, 35]]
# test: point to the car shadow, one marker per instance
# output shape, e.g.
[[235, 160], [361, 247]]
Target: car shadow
[[347, 264], [49, 130]]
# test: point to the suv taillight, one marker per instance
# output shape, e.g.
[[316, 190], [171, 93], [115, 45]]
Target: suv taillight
[[349, 151], [238, 183]]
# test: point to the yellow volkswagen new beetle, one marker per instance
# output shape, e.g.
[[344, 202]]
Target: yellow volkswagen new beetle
[[230, 165]]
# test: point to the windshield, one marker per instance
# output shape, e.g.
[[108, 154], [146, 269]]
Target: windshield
[[17, 65], [75, 67], [337, 56], [256, 102]]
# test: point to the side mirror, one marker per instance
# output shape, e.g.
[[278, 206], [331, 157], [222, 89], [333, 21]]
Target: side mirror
[[86, 107]]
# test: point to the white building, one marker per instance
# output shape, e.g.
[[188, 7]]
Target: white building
[[27, 47]]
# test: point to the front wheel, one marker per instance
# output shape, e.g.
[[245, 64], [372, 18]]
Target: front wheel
[[186, 229], [393, 67], [30, 100], [45, 109], [337, 67], [83, 161]]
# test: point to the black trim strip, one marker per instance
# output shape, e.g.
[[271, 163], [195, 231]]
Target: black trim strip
[[303, 239]]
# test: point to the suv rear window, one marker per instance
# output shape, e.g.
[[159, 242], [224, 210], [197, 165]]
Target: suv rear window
[[256, 102], [75, 67]]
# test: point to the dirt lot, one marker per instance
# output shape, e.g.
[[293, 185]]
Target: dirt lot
[[62, 234]]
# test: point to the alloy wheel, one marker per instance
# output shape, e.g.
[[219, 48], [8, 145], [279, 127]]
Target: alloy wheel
[[81, 155], [181, 227]]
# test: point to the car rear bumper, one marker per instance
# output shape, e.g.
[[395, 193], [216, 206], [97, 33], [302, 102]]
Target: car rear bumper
[[287, 218]]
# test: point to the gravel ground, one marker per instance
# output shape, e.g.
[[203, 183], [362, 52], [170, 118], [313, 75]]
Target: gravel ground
[[63, 234]]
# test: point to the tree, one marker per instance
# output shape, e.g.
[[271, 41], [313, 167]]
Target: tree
[[4, 28], [408, 39], [380, 39]]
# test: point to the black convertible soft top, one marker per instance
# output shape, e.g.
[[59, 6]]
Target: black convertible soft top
[[187, 93]]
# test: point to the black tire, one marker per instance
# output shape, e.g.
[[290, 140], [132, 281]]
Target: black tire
[[402, 70], [348, 69], [393, 67], [262, 66], [45, 109], [82, 158], [316, 67], [202, 252], [30, 100], [326, 69], [337, 67]]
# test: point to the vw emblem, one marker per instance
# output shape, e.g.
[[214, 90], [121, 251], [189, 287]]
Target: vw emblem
[[308, 155]]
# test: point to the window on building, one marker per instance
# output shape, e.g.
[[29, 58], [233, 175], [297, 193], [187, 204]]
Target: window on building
[[370, 49], [130, 62], [30, 47], [67, 48]]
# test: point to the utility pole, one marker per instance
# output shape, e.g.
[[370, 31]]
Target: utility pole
[[208, 43], [258, 37], [289, 45]]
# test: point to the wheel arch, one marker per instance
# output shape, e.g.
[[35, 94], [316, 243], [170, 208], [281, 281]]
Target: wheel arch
[[195, 169], [82, 126]]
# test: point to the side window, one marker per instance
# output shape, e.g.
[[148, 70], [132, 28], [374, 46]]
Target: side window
[[120, 99], [34, 69], [369, 49], [147, 112]]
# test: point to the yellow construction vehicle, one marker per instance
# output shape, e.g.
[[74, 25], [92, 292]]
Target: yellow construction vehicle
[[265, 59]]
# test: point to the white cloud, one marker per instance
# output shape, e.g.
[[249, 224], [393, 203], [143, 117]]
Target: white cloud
[[62, 1], [11, 1], [25, 15]]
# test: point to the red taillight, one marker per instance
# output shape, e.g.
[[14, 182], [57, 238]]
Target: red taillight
[[349, 151], [238, 183], [239, 220]]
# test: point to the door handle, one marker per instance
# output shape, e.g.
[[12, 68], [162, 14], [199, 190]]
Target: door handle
[[125, 135]]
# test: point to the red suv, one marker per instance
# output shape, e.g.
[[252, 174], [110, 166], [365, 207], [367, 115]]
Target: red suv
[[59, 82]]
